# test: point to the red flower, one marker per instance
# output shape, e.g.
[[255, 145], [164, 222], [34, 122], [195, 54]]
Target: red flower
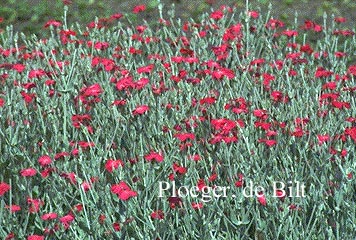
[[53, 23], [340, 19], [253, 14], [145, 69], [36, 73], [294, 207], [13, 208], [28, 97], [111, 164], [44, 160], [102, 218], [274, 23], [195, 157], [141, 83], [307, 49], [352, 70], [35, 204], [321, 72], [262, 199], [93, 90], [223, 125], [217, 15], [260, 113], [123, 191], [290, 33], [323, 138], [10, 235], [186, 52], [4, 187], [207, 100], [268, 142], [35, 237], [179, 169], [174, 202], [18, 67], [77, 120], [280, 194], [230, 139], [240, 182], [86, 186], [140, 110], [46, 172], [340, 105], [213, 177], [85, 145], [125, 83], [29, 86], [71, 176], [221, 72], [2, 102], [267, 78], [197, 205], [279, 97], [310, 25], [298, 132], [28, 172], [157, 215], [101, 45], [184, 136], [116, 226], [257, 62], [201, 184], [133, 50], [116, 16], [78, 207], [329, 85], [343, 153], [340, 54], [158, 157], [351, 132], [49, 216], [139, 8], [67, 2], [67, 220], [121, 102]]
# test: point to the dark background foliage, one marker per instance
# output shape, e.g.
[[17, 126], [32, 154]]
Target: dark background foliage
[[29, 15]]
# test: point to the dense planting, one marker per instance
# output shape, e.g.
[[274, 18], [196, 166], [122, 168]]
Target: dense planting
[[95, 122]]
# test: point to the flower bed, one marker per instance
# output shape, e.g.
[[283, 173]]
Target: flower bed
[[234, 127]]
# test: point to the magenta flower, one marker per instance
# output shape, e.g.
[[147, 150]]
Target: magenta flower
[[4, 187]]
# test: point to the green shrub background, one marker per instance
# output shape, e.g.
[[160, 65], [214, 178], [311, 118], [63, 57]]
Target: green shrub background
[[29, 16]]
